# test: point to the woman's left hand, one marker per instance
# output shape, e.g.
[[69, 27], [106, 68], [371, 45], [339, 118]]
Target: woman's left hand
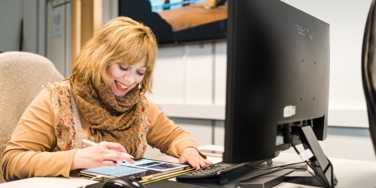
[[192, 157]]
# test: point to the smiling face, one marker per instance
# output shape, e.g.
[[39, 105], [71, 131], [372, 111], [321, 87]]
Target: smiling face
[[122, 41], [124, 77]]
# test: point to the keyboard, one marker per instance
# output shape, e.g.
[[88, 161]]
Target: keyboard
[[220, 173]]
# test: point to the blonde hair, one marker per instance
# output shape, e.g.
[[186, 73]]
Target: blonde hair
[[121, 41]]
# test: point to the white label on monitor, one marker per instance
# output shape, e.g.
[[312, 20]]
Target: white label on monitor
[[289, 111], [279, 140]]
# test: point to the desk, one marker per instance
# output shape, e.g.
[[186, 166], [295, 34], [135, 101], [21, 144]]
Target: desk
[[47, 182], [350, 174]]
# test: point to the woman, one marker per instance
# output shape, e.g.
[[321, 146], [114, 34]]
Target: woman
[[102, 101]]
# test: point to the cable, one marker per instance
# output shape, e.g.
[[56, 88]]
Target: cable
[[262, 175], [281, 166], [331, 171], [330, 164], [318, 178], [291, 140]]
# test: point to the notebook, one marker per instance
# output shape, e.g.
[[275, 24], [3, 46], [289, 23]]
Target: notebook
[[142, 169]]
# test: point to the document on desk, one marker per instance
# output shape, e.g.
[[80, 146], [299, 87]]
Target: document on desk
[[142, 169]]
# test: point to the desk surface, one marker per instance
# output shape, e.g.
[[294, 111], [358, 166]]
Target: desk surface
[[44, 182], [350, 174]]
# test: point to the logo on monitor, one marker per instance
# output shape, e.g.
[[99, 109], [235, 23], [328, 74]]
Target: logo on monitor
[[304, 31]]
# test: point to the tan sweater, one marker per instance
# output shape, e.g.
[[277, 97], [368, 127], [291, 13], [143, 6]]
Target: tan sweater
[[29, 152]]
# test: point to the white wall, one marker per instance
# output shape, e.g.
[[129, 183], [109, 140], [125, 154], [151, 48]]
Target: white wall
[[190, 80]]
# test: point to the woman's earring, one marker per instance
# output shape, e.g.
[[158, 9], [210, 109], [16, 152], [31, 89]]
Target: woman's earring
[[140, 88]]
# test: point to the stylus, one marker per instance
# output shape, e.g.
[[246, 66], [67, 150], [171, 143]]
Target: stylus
[[91, 143]]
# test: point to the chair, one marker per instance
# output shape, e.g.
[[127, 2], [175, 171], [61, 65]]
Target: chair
[[21, 76], [369, 70]]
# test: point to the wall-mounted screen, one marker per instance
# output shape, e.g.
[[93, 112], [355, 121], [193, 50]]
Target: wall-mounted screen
[[177, 21]]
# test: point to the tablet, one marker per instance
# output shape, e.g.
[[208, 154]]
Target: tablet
[[141, 168]]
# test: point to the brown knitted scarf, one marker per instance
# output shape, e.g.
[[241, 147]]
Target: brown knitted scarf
[[111, 119]]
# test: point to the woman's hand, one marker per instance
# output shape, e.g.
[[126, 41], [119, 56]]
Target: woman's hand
[[102, 154], [191, 156]]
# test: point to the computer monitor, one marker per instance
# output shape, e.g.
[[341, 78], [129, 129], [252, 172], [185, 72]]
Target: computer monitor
[[277, 82]]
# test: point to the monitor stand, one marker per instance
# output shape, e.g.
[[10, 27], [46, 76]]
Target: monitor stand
[[319, 163]]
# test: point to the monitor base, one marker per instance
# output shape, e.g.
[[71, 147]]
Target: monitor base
[[323, 174]]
